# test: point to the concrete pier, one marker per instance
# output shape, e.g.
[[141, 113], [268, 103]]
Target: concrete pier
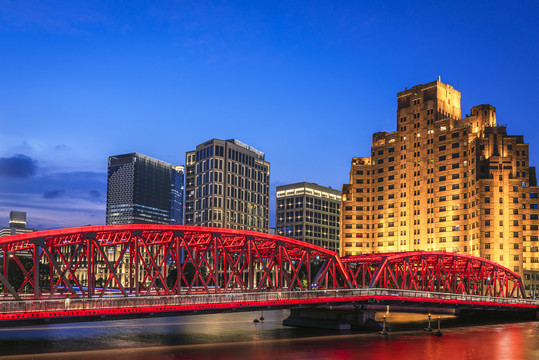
[[335, 318]]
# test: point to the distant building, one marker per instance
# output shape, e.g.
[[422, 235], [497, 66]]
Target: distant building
[[143, 190], [17, 224], [227, 185], [309, 212], [177, 193]]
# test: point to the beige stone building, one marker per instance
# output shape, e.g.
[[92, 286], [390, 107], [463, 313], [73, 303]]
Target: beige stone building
[[444, 182]]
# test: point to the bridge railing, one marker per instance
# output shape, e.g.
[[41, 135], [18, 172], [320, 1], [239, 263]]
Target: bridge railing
[[251, 299]]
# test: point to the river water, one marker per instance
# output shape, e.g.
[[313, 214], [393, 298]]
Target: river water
[[235, 336]]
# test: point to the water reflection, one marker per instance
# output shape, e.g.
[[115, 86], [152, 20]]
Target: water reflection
[[233, 336]]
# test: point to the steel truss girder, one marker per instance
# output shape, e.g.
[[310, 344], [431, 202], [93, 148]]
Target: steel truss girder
[[435, 271], [206, 260], [212, 260]]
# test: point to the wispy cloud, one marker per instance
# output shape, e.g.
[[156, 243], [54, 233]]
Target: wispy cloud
[[53, 194], [52, 15], [52, 213], [53, 198], [18, 166]]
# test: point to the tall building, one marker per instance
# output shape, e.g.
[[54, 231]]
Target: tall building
[[309, 212], [444, 182], [17, 224], [227, 185], [143, 190], [176, 194]]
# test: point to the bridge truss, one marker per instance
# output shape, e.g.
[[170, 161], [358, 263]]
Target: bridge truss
[[161, 260], [142, 260], [434, 271]]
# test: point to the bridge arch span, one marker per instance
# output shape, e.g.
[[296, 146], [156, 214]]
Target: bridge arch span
[[143, 259], [434, 271]]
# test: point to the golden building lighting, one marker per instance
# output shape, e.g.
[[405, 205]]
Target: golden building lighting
[[444, 182]]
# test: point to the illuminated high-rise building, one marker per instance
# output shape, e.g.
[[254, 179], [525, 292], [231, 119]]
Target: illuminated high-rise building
[[143, 190], [309, 212], [17, 224], [176, 194], [227, 185], [444, 182]]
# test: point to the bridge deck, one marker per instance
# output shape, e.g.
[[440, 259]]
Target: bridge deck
[[122, 306]]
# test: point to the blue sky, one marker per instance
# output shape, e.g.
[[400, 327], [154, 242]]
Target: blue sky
[[307, 82]]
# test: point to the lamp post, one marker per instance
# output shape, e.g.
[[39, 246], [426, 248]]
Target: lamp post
[[428, 328], [438, 333], [384, 331]]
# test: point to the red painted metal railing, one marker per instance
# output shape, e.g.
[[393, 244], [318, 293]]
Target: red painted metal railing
[[111, 307]]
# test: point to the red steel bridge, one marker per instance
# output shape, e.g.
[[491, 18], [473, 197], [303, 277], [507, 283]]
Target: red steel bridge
[[135, 270]]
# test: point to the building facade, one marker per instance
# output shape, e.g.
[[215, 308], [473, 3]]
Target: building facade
[[143, 190], [140, 190], [227, 185], [177, 192], [310, 213], [17, 224], [444, 182]]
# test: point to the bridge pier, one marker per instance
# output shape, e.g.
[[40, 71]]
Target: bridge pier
[[335, 318]]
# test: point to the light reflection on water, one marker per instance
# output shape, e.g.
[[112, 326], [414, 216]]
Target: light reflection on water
[[234, 335]]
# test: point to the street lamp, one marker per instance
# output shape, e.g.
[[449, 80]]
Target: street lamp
[[384, 331], [429, 328]]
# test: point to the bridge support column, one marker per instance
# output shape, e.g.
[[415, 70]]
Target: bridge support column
[[335, 318]]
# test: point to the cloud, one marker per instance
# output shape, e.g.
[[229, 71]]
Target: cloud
[[43, 214], [71, 17], [18, 166], [61, 147], [56, 200], [54, 194]]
